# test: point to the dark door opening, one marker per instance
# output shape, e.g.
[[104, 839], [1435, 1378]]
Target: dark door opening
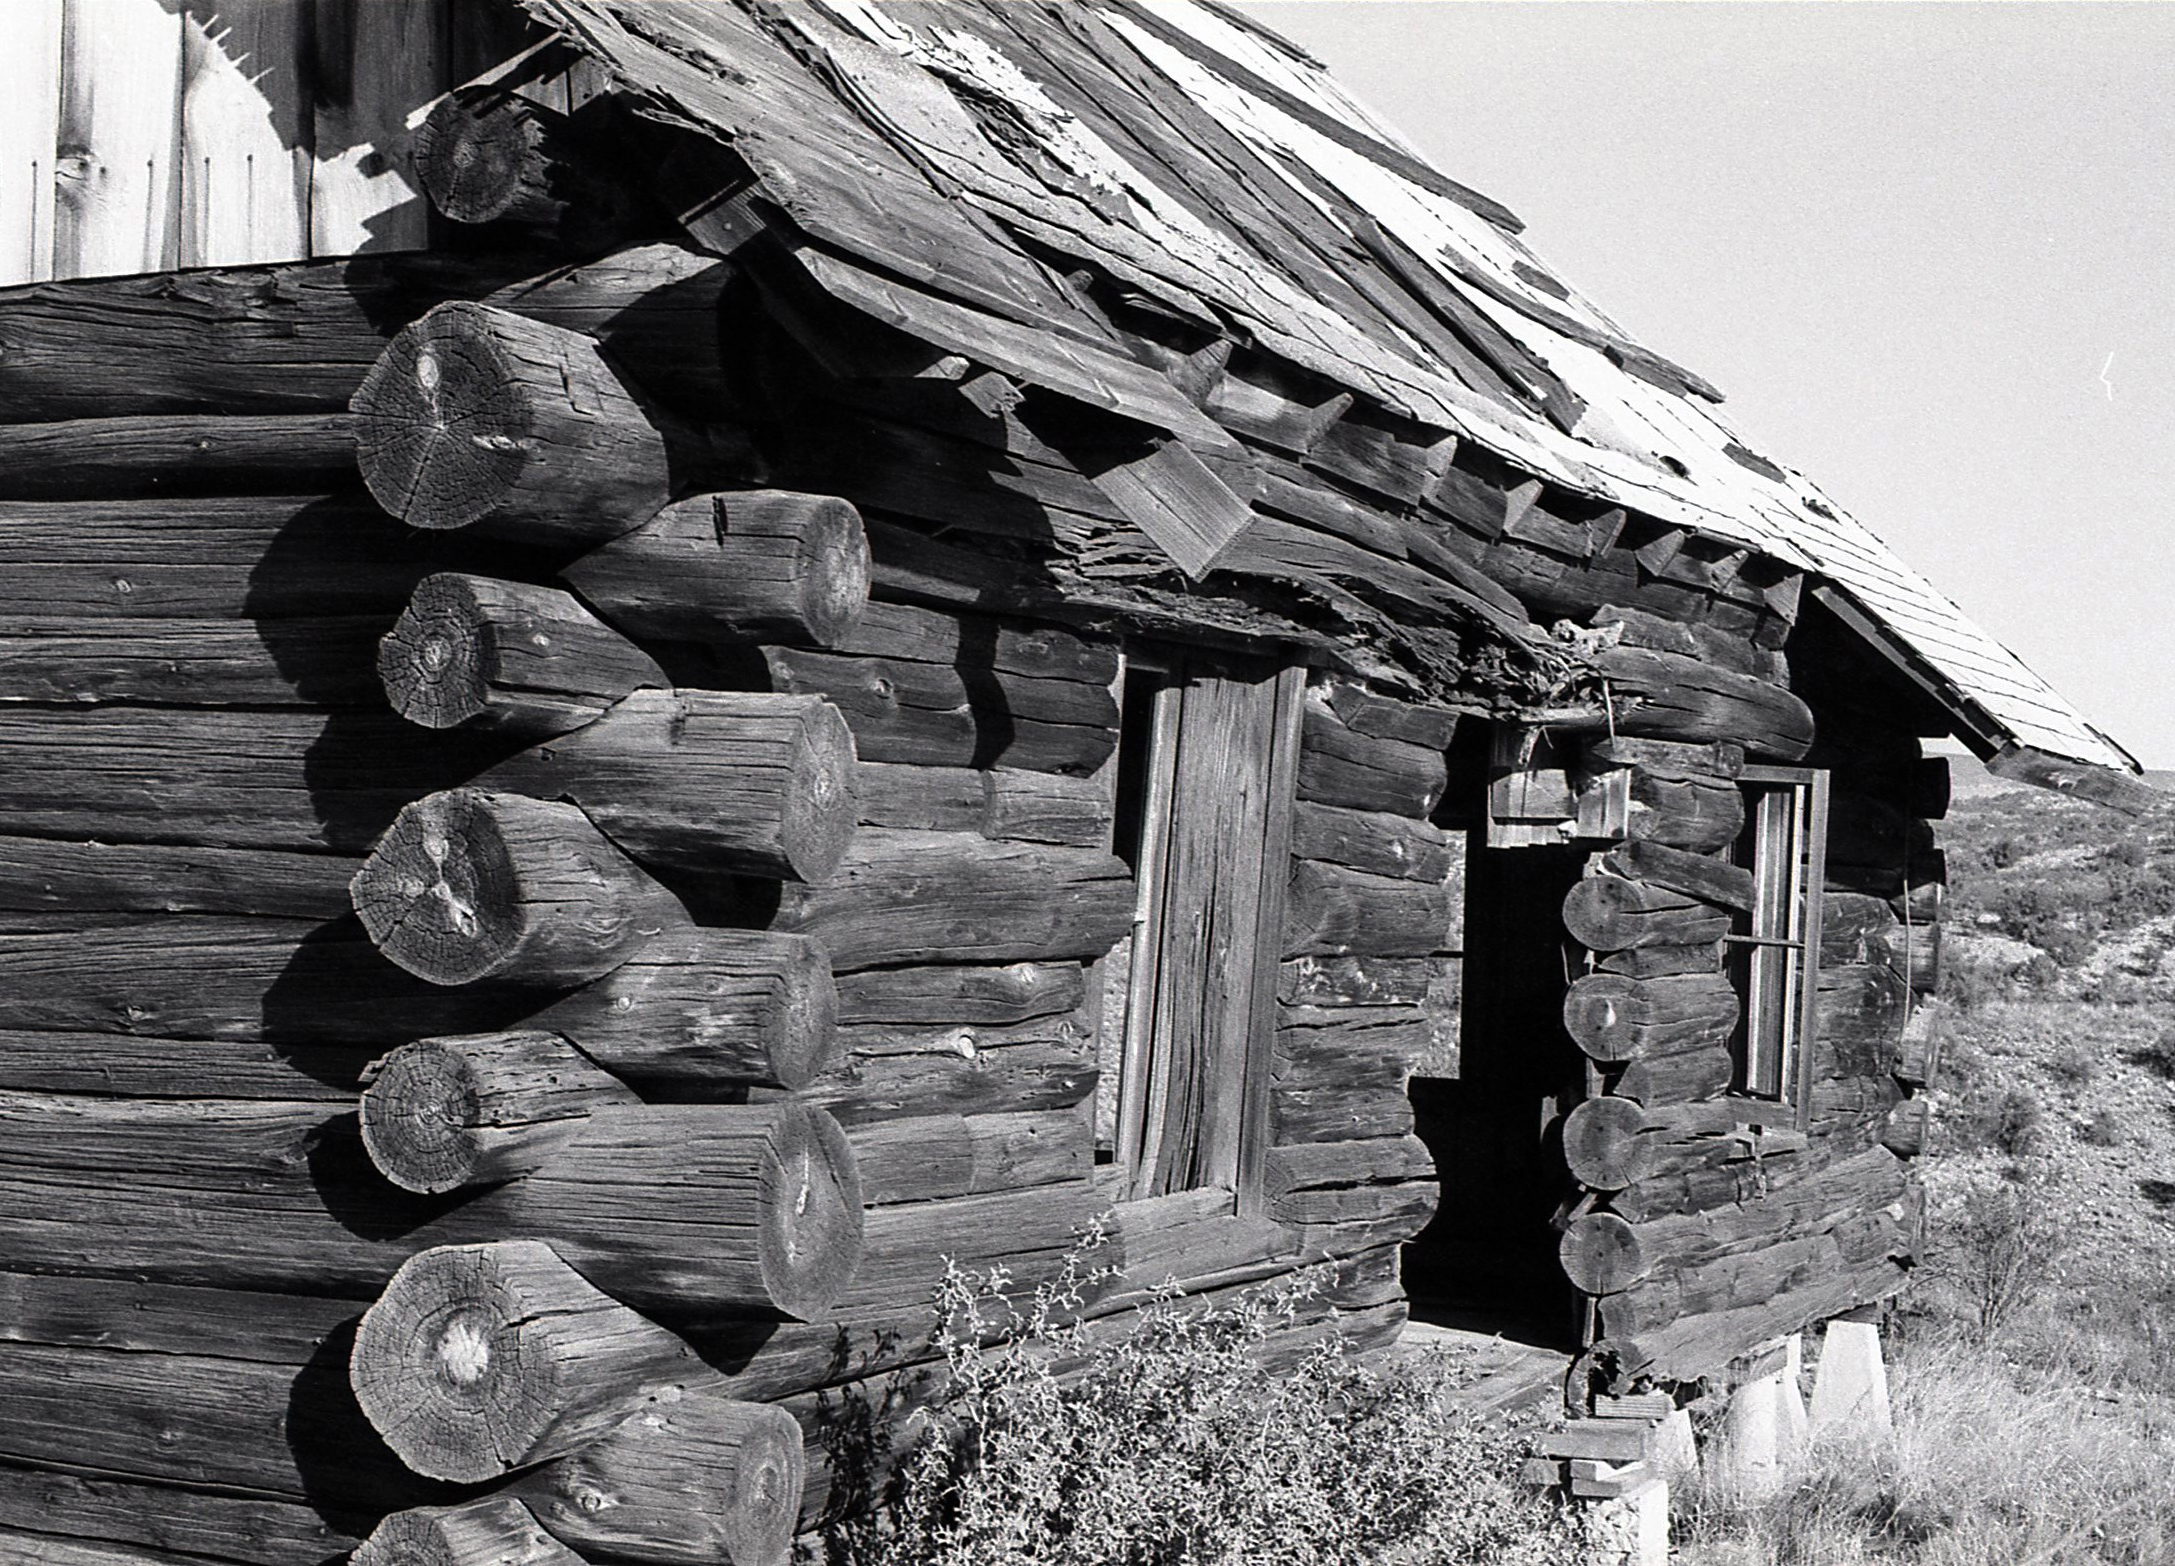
[[1487, 1262]]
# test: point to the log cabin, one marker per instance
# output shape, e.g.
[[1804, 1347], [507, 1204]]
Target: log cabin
[[666, 663]]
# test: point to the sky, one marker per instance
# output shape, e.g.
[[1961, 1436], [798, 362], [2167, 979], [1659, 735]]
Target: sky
[[1927, 250]]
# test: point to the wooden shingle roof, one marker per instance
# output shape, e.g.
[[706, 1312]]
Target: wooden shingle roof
[[949, 162]]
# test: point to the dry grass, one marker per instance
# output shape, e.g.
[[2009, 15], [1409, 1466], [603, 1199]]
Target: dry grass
[[1990, 1464]]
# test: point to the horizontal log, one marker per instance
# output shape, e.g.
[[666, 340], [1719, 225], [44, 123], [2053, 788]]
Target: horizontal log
[[470, 885], [1860, 1184], [1696, 1346], [285, 1434], [1639, 628], [908, 1247], [256, 340], [440, 1114], [928, 897], [494, 1528], [760, 565], [1874, 833], [1311, 1165], [1673, 696], [1697, 875], [764, 1202], [970, 641], [1374, 841], [957, 1076], [923, 1158], [509, 656], [476, 417], [696, 1012], [702, 1480], [1337, 1113], [938, 715], [1338, 765], [39, 874], [1339, 1219], [1677, 1077], [1378, 716], [1360, 981], [256, 1530], [139, 456], [1358, 1046], [1332, 911], [85, 660], [221, 779], [480, 1359], [1609, 914], [705, 782], [272, 558], [1729, 1283], [1614, 1018], [294, 985], [1670, 759], [1695, 814], [961, 996], [1661, 962], [1005, 803]]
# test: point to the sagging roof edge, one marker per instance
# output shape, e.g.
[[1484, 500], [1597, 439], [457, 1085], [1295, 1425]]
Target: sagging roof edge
[[2005, 748]]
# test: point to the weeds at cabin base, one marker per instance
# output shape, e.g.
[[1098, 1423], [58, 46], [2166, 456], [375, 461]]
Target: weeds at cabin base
[[1173, 1445]]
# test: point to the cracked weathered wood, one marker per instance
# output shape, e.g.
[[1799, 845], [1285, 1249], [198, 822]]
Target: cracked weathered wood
[[701, 1011], [510, 656], [479, 1359], [477, 417], [700, 1480], [471, 885], [444, 1113], [706, 782], [759, 565], [495, 1530]]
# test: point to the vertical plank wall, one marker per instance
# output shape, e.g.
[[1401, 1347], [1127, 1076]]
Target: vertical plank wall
[[143, 135]]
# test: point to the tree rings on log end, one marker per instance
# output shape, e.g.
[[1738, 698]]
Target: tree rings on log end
[[477, 154], [496, 1529], [1601, 1254], [444, 1113], [468, 885], [446, 424], [1605, 1143], [479, 1359], [810, 1243]]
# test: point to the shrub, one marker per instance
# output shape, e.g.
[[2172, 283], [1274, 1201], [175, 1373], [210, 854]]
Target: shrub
[[2075, 1063], [1174, 1445], [2104, 1129], [2158, 1057], [2012, 1125], [2002, 1247]]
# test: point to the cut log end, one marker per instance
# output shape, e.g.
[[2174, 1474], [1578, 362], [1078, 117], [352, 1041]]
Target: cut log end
[[1601, 1254], [457, 1364], [437, 662], [445, 422], [444, 1113], [492, 1531], [831, 581], [478, 157], [419, 1118], [1605, 1143], [805, 1043], [761, 1507], [468, 885], [811, 1236], [819, 815]]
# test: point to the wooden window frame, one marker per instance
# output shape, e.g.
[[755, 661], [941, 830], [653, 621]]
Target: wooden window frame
[[1234, 1132], [1781, 1033]]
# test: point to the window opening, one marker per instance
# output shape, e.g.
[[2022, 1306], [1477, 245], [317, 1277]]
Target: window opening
[[1775, 948]]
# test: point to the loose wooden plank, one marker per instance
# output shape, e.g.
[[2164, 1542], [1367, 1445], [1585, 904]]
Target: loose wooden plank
[[245, 134], [379, 64], [118, 206], [30, 33]]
